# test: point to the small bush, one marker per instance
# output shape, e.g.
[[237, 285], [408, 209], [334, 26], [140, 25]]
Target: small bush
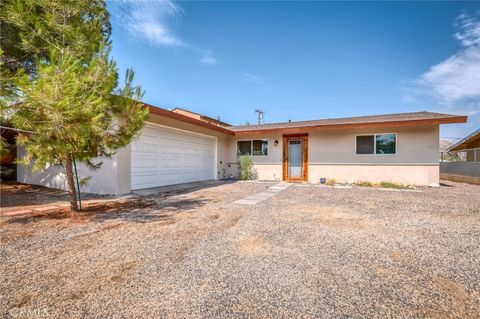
[[245, 165], [364, 184], [391, 185], [331, 181]]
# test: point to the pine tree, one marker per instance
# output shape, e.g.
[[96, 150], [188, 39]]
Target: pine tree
[[69, 96]]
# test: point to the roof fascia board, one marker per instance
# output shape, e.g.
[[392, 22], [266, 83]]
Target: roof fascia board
[[294, 130], [184, 118], [301, 129]]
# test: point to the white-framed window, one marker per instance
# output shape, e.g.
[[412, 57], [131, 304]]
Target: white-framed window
[[252, 147], [376, 144]]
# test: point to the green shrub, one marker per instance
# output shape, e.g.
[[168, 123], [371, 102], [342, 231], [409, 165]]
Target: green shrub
[[391, 185], [245, 165]]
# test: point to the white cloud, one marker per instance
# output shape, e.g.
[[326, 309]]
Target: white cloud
[[156, 33], [469, 30], [208, 58], [252, 78], [152, 22], [456, 78], [453, 85]]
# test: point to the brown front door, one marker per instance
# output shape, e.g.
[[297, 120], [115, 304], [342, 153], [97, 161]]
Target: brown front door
[[295, 158]]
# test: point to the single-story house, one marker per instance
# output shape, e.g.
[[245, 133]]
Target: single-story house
[[179, 146], [461, 161]]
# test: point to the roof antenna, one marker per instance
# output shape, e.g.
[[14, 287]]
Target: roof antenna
[[260, 115]]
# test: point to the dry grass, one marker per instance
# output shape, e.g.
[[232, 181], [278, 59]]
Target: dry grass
[[252, 245], [104, 209], [364, 184], [331, 181]]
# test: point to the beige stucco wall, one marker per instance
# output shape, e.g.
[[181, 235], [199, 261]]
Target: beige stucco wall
[[265, 167], [105, 180], [332, 154], [114, 175], [397, 173], [415, 144]]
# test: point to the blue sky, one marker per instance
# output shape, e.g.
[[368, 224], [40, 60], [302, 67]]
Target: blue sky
[[303, 60]]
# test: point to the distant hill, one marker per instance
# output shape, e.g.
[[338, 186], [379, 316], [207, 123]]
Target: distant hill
[[444, 144]]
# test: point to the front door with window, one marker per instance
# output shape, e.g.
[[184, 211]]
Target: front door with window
[[295, 158]]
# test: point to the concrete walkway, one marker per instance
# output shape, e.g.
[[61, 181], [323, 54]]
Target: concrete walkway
[[179, 187], [264, 195]]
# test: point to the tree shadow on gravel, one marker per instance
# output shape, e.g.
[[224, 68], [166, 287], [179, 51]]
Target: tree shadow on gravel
[[181, 204], [136, 211], [14, 194]]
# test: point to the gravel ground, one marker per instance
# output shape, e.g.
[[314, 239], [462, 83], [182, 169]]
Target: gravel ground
[[16, 196], [306, 252]]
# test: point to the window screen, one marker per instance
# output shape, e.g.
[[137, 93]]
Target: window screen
[[365, 144], [244, 147], [385, 143], [260, 147]]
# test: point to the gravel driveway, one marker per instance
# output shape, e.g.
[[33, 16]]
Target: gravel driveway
[[306, 252]]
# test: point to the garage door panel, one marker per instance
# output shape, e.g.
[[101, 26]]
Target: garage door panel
[[165, 155], [144, 163], [145, 147], [168, 134], [190, 157], [161, 156], [169, 149], [143, 181], [207, 147], [169, 141], [190, 162], [158, 170], [155, 180], [190, 151], [207, 169], [194, 175], [207, 156], [167, 169]]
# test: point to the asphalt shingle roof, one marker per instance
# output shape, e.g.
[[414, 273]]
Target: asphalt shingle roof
[[398, 117]]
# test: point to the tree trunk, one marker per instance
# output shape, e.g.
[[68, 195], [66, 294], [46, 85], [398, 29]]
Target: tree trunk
[[71, 184]]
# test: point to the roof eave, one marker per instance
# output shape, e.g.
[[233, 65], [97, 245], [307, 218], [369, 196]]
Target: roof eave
[[462, 144], [184, 118], [303, 129]]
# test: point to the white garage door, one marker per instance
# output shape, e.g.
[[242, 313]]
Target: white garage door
[[163, 156]]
